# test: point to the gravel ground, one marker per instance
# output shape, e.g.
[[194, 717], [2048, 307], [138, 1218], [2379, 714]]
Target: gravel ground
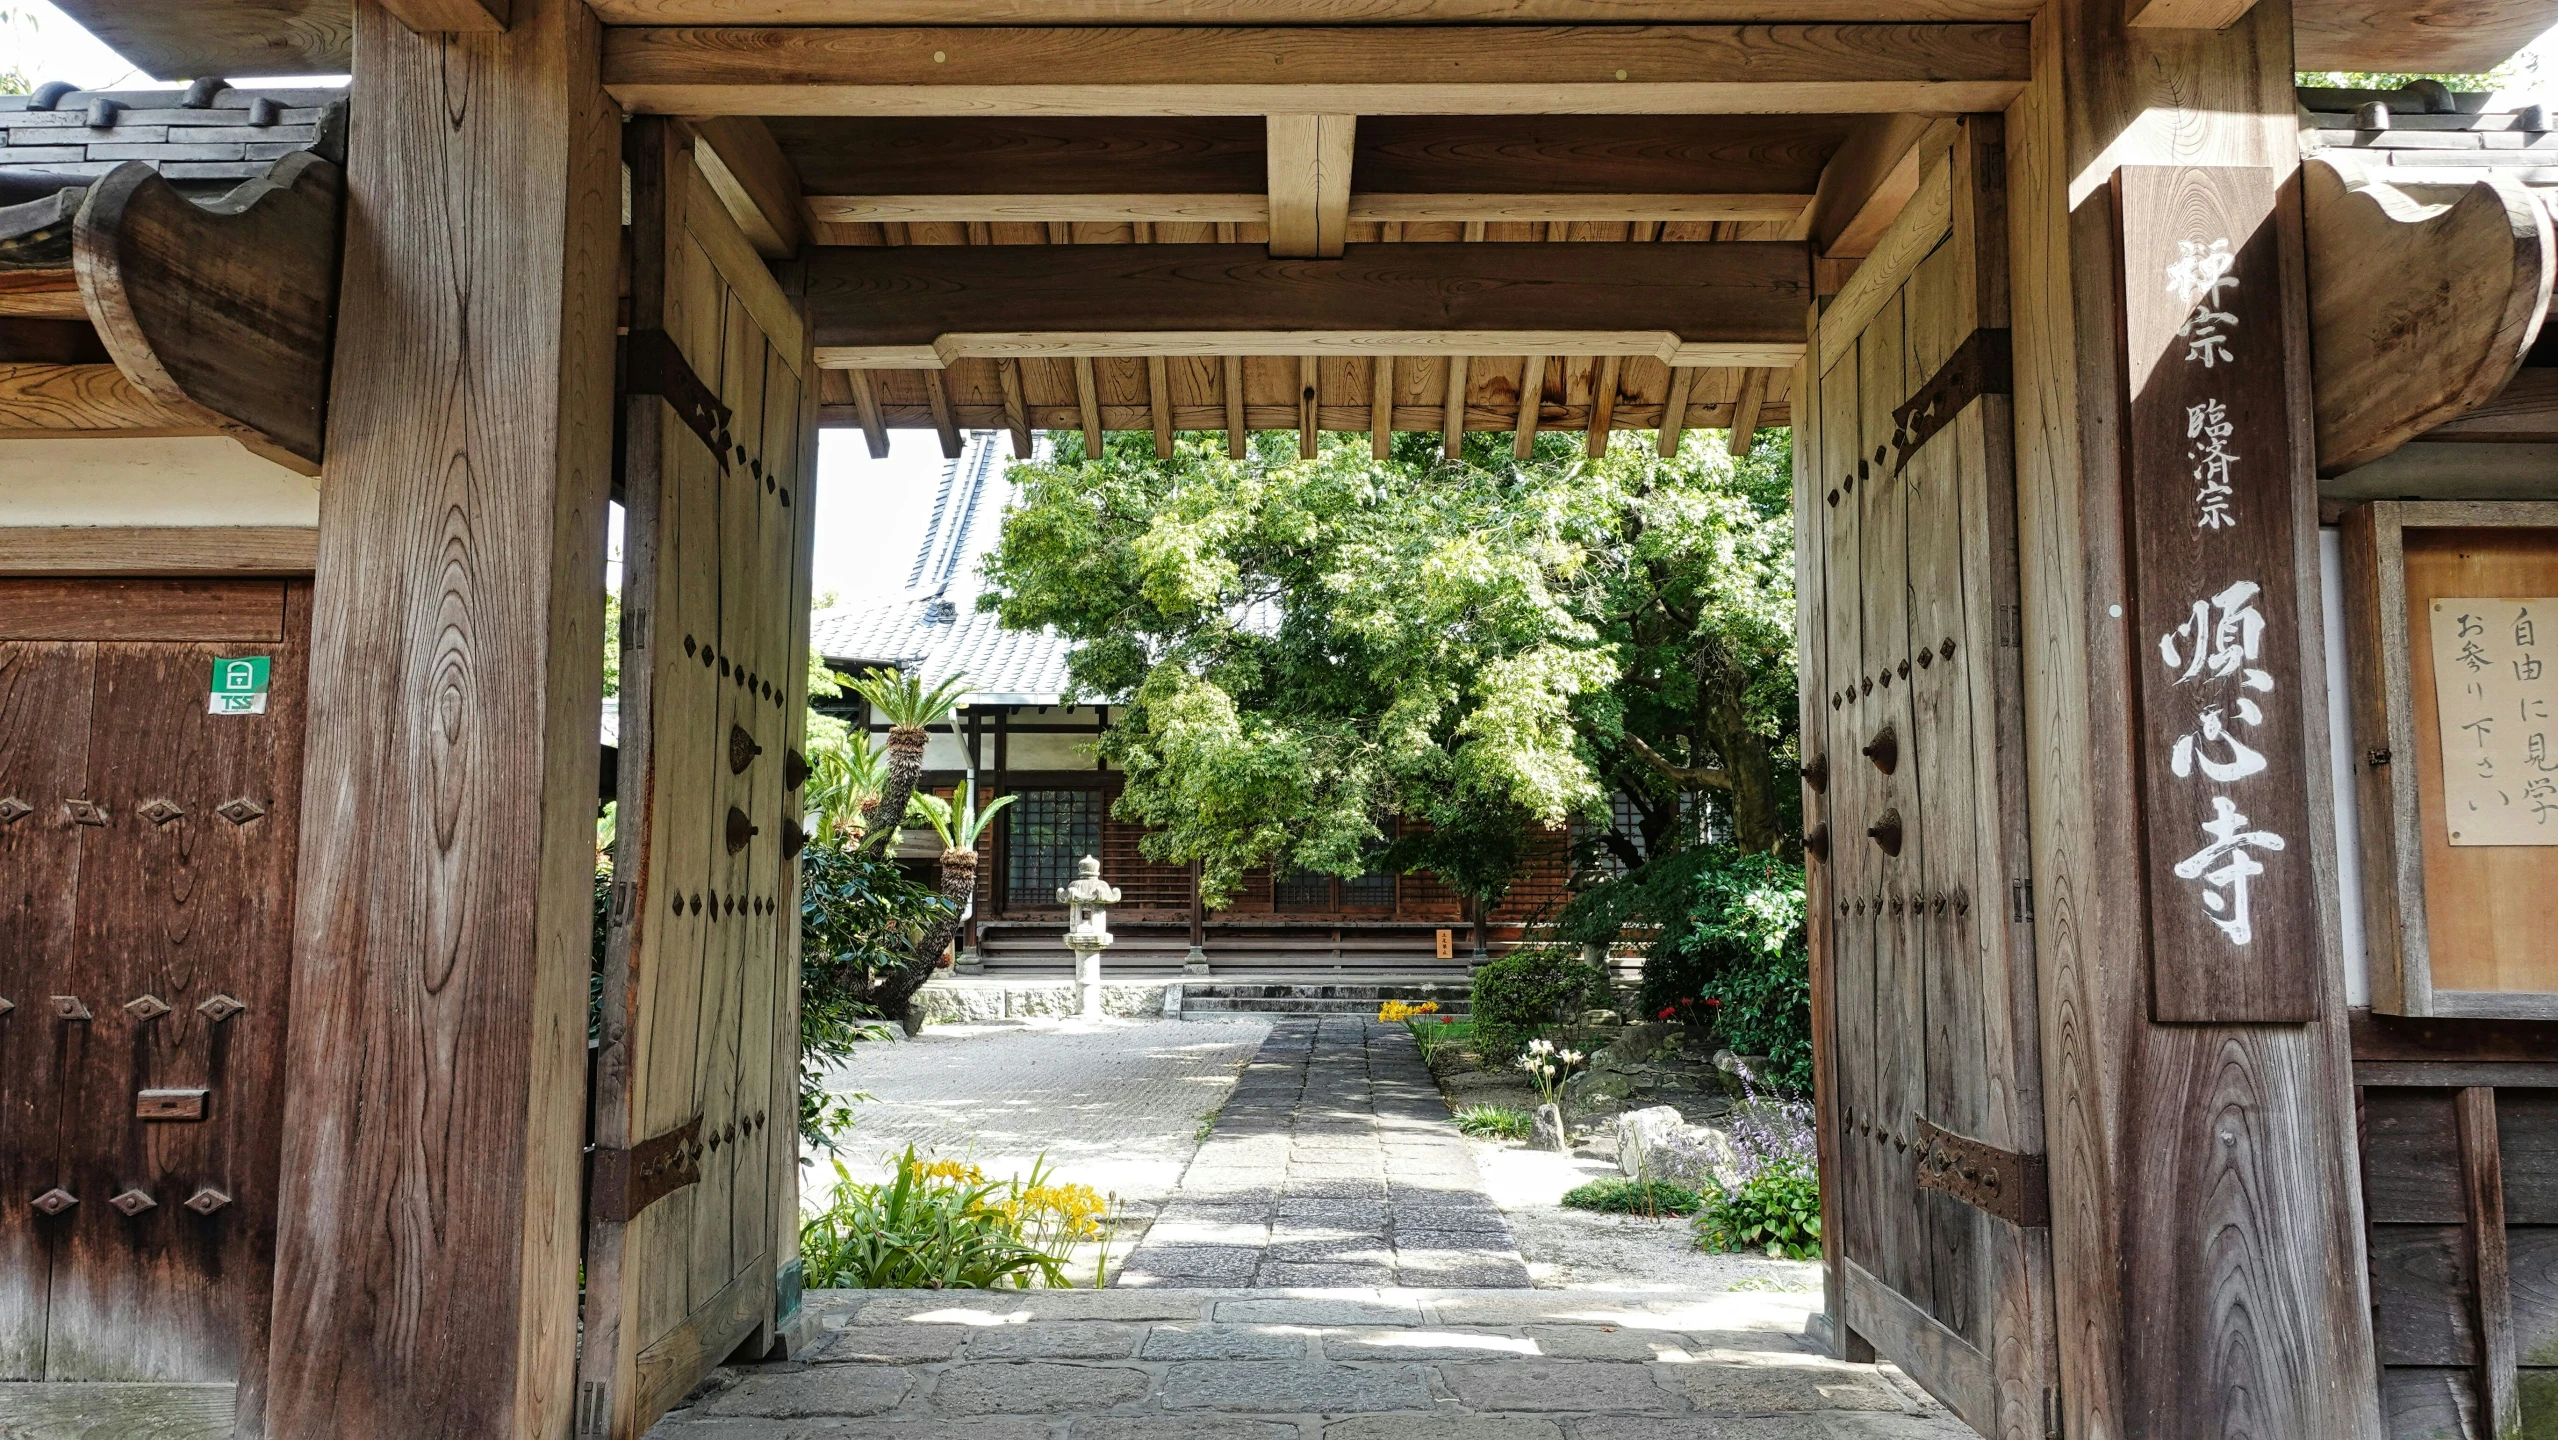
[[1572, 1249]]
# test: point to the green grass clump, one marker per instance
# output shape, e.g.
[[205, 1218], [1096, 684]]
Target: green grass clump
[[1620, 1196], [1776, 1212], [1498, 1121]]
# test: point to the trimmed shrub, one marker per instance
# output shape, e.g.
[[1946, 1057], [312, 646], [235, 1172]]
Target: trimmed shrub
[[1527, 990]]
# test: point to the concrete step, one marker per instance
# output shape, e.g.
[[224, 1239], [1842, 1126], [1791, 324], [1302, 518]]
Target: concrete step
[[1342, 997]]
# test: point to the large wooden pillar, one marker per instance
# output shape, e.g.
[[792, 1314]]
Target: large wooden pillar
[[427, 1250], [2205, 1212]]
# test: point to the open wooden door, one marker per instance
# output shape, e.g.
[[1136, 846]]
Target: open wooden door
[[1939, 1245], [692, 1190]]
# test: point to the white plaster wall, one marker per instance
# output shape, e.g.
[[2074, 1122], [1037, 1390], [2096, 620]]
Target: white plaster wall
[[2340, 759], [191, 480]]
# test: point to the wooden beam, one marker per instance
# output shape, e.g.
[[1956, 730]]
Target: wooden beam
[[2482, 1176], [1865, 184], [41, 295], [1453, 429], [1088, 404], [1745, 412], [1603, 404], [923, 307], [221, 311], [754, 181], [54, 402], [1309, 394], [2479, 272], [2185, 14], [1674, 411], [2456, 37], [1349, 70], [1531, 399], [1159, 401], [171, 40], [460, 626], [866, 405], [1654, 207], [937, 395], [1381, 409], [1187, 209], [1016, 407], [437, 17], [1309, 158], [1236, 433], [1099, 209], [1287, 12], [162, 549]]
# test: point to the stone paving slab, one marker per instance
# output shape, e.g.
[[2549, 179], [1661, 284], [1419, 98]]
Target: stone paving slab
[[1333, 1164], [1384, 1363]]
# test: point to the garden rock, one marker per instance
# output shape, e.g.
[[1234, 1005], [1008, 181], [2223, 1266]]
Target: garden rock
[[1550, 1134], [1659, 1144], [1647, 1065]]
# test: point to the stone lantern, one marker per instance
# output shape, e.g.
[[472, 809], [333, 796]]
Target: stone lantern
[[1088, 928]]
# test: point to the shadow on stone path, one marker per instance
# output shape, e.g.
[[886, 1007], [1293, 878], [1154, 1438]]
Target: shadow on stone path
[[1334, 1163]]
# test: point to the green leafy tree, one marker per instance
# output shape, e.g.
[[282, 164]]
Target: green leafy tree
[[1307, 648]]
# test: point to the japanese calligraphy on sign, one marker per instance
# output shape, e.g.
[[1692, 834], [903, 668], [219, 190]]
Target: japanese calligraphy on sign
[[2496, 690], [2212, 510]]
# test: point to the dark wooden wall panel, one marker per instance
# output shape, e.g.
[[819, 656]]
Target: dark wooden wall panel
[[2527, 1124], [142, 610], [2425, 1295], [2411, 1158]]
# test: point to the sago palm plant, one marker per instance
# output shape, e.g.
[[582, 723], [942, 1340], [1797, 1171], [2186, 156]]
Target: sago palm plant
[[844, 786], [901, 698], [959, 831]]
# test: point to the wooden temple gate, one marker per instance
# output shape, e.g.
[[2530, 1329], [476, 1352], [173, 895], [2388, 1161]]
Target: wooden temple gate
[[2043, 286]]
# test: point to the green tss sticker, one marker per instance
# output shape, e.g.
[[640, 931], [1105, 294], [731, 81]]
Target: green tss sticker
[[239, 686]]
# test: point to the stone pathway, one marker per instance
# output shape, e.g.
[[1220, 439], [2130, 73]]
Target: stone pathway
[[1334, 1163], [1114, 1104], [1402, 1364]]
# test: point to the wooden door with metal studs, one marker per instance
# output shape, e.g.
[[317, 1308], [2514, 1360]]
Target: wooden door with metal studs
[[151, 738], [1936, 1208]]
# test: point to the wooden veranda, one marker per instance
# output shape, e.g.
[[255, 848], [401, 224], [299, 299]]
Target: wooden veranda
[[2159, 1096]]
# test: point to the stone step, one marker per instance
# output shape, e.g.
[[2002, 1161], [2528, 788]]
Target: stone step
[[1291, 1005]]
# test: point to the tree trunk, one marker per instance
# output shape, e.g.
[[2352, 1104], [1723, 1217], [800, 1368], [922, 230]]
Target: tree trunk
[[895, 992], [1744, 752], [905, 765]]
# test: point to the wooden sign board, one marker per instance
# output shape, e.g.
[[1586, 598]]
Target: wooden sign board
[[2210, 476], [1447, 945], [2496, 692]]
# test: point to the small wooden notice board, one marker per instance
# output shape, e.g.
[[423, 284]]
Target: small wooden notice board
[[2454, 660]]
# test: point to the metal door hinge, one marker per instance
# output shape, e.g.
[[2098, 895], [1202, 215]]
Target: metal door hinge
[[622, 1183], [2051, 1413], [2015, 1188], [595, 1408], [2020, 902], [652, 364], [1981, 365]]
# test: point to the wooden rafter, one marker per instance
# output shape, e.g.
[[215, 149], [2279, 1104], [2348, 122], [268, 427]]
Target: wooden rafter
[[1016, 406], [1531, 400], [1603, 404], [1309, 386], [1674, 411], [1088, 401], [1159, 400], [1381, 407], [937, 395], [1348, 70], [1745, 411], [866, 405], [923, 307], [1278, 12], [1453, 429], [1254, 209], [1236, 433], [754, 181]]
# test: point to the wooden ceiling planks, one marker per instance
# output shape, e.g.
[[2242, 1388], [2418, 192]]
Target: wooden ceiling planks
[[1196, 394], [1294, 12], [1343, 70]]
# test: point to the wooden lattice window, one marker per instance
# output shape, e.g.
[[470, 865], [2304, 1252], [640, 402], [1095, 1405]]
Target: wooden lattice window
[[1051, 830]]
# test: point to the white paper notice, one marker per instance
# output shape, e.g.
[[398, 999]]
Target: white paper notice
[[2496, 687]]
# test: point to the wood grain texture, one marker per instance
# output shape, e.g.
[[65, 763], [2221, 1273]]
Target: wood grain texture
[[1918, 229], [118, 1412], [2419, 313], [2435, 36], [228, 37], [223, 310], [2185, 14], [2483, 1188], [1285, 12], [429, 17], [1199, 70], [2526, 409], [923, 308], [2527, 1131], [159, 550], [1309, 166], [1867, 183], [2168, 1144], [755, 181], [141, 610], [744, 271], [51, 402], [441, 941], [180, 908]]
